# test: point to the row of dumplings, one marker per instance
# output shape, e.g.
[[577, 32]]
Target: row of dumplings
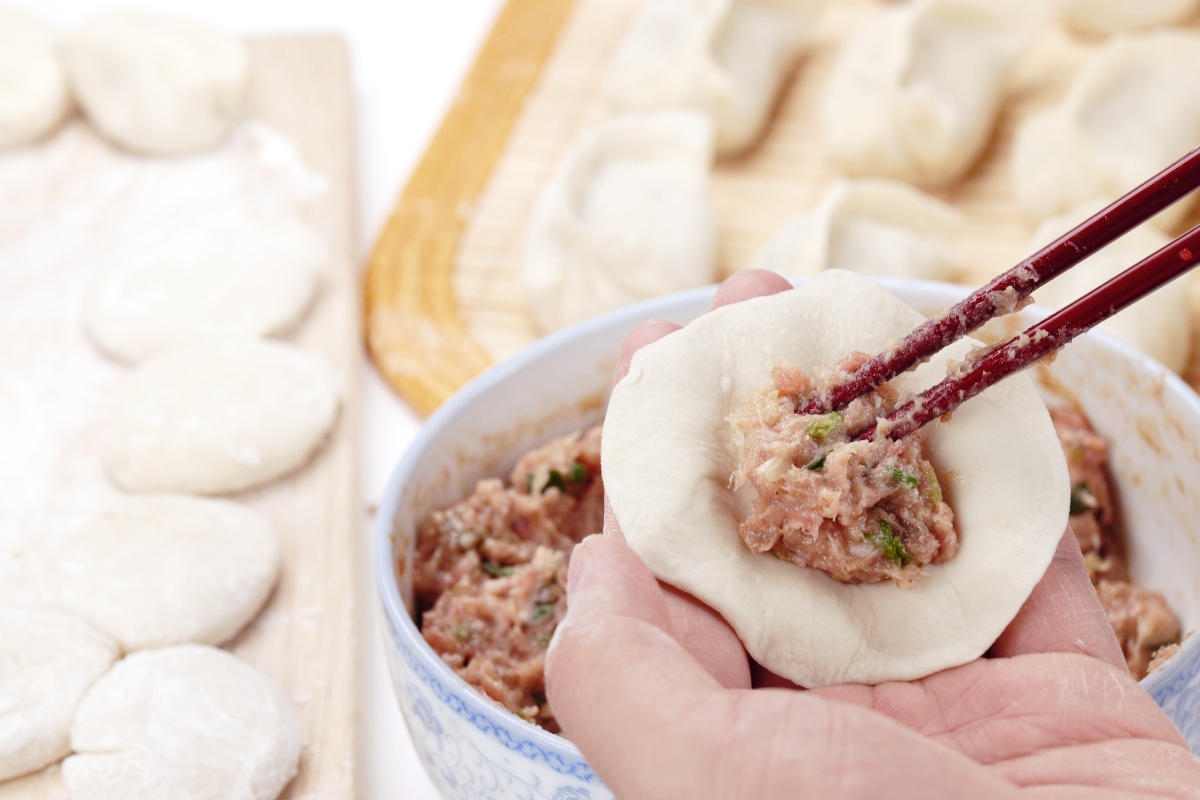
[[911, 101], [163, 576], [149, 83]]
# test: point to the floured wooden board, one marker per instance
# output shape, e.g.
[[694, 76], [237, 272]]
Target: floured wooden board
[[306, 637], [473, 268]]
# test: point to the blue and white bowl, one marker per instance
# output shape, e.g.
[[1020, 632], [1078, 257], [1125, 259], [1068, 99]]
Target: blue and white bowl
[[474, 749]]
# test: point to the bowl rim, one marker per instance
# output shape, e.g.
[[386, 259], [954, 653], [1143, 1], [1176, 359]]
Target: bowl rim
[[400, 622]]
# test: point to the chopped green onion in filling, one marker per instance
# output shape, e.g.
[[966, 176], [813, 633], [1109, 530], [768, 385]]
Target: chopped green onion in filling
[[497, 570], [823, 426], [889, 544], [817, 463], [1082, 499], [906, 478], [934, 490], [578, 473], [541, 611]]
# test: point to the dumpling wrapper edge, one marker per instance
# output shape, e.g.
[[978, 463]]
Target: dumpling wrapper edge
[[667, 458]]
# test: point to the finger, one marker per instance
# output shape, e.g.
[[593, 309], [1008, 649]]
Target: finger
[[639, 337], [1062, 615], [749, 283], [704, 633], [652, 723]]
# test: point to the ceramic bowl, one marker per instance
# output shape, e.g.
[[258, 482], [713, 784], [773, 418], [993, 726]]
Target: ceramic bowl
[[472, 748]]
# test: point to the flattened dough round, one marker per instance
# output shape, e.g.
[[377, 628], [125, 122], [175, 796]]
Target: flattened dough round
[[169, 569], [34, 97], [157, 84], [186, 723], [48, 659], [667, 456], [239, 272], [219, 418]]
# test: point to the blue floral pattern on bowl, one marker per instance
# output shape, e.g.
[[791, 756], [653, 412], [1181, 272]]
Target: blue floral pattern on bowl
[[504, 762]]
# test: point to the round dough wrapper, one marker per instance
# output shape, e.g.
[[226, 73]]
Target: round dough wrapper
[[166, 570], [667, 455], [48, 659], [219, 418], [239, 272], [155, 84], [35, 98], [187, 723]]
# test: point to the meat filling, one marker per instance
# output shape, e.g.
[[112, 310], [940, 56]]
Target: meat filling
[[1141, 618], [490, 570], [862, 512]]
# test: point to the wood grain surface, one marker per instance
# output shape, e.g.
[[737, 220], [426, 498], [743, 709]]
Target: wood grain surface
[[306, 637], [755, 194]]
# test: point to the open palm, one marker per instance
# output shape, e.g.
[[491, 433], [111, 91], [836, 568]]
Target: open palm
[[662, 699]]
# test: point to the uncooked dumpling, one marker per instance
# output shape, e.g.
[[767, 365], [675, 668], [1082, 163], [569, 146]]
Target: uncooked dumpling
[[914, 92], [156, 84], [1131, 111], [667, 459], [218, 418], [873, 227], [1158, 324], [1110, 16], [48, 659], [727, 58], [34, 97], [626, 217], [186, 723], [239, 272], [165, 570]]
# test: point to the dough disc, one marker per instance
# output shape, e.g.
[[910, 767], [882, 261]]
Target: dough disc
[[186, 723], [219, 418], [36, 97], [667, 458], [158, 571], [48, 659]]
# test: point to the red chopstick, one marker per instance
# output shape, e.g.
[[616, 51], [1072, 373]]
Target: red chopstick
[[1172, 261], [1004, 293]]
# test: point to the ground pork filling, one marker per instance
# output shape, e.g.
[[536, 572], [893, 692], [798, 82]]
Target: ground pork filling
[[1144, 623], [490, 573], [862, 512]]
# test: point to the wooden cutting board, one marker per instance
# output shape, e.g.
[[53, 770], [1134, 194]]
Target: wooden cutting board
[[443, 300], [306, 637]]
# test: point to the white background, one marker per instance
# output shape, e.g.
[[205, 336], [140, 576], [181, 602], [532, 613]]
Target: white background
[[408, 58]]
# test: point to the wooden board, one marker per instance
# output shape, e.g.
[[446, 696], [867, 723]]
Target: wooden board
[[306, 637], [466, 247]]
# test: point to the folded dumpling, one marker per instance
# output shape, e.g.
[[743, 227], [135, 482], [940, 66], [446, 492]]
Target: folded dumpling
[[873, 227], [1109, 16], [1158, 324], [727, 58], [626, 217], [1130, 112], [914, 92]]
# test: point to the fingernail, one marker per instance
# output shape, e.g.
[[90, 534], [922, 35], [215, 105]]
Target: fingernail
[[578, 563]]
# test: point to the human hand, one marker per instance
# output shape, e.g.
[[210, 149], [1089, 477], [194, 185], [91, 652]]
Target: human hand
[[662, 699]]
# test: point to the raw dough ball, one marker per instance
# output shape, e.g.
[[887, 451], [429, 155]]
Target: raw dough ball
[[1158, 324], [1131, 111], [48, 659], [185, 723], [1109, 16], [914, 92], [626, 217], [159, 571], [156, 84], [240, 272], [873, 227], [218, 418], [727, 58], [34, 97], [667, 455]]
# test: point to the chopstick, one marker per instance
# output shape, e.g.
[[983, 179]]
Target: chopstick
[[1173, 260], [1004, 293]]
